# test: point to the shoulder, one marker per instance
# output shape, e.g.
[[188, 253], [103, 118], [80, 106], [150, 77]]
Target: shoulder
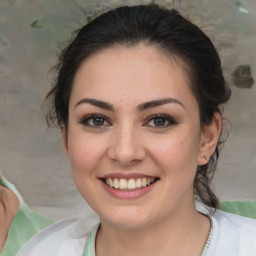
[[65, 237], [232, 235], [229, 221]]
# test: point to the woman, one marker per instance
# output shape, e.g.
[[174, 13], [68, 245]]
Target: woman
[[17, 222], [138, 98]]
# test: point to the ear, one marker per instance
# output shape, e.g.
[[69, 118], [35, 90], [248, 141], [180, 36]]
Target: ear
[[209, 139], [65, 141]]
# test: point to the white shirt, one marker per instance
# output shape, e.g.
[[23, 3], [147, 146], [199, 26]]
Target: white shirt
[[232, 235]]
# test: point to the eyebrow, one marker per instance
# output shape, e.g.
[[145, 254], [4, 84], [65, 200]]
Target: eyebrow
[[140, 108], [157, 103], [97, 103]]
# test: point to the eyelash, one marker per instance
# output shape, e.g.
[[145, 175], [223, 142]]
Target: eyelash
[[170, 121], [85, 121], [165, 118]]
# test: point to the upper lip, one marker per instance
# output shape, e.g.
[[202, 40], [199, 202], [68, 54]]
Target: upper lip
[[126, 176]]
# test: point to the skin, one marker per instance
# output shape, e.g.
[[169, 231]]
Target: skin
[[7, 214], [128, 142]]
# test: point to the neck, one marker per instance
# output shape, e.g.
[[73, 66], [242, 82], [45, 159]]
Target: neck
[[176, 235], [9, 205]]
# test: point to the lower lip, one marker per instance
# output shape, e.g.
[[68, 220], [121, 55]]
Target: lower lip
[[120, 194]]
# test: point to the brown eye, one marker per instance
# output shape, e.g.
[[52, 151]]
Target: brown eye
[[95, 121], [98, 121], [160, 121]]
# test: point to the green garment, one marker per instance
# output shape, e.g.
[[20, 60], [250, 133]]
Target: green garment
[[89, 249], [243, 208], [25, 224]]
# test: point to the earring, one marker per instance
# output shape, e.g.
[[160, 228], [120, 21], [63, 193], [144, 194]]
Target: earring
[[205, 156]]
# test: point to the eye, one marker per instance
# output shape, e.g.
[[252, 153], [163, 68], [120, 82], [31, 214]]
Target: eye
[[160, 121], [95, 121]]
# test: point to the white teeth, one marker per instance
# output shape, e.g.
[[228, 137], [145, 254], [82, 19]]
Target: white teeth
[[123, 184], [111, 183], [138, 183], [116, 183], [144, 182], [131, 184]]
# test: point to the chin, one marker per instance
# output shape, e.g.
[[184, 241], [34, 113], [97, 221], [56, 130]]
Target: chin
[[128, 219]]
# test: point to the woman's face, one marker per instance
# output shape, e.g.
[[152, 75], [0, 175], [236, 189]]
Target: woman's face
[[134, 137]]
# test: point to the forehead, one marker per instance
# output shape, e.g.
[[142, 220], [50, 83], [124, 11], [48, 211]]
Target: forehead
[[138, 72]]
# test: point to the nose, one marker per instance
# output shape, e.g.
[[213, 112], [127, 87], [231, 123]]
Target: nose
[[126, 146]]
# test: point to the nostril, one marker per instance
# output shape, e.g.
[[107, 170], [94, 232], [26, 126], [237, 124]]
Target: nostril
[[126, 156]]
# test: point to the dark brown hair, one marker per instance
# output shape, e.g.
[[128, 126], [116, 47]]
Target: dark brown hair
[[170, 32]]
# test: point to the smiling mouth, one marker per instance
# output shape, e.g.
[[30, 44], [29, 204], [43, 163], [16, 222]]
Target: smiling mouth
[[129, 184]]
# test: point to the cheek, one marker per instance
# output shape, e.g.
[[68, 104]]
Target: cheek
[[84, 153], [177, 155]]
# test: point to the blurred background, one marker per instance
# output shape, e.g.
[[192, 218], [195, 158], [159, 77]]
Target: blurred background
[[31, 34]]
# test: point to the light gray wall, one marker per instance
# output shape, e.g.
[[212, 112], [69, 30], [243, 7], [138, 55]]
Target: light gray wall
[[32, 157]]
